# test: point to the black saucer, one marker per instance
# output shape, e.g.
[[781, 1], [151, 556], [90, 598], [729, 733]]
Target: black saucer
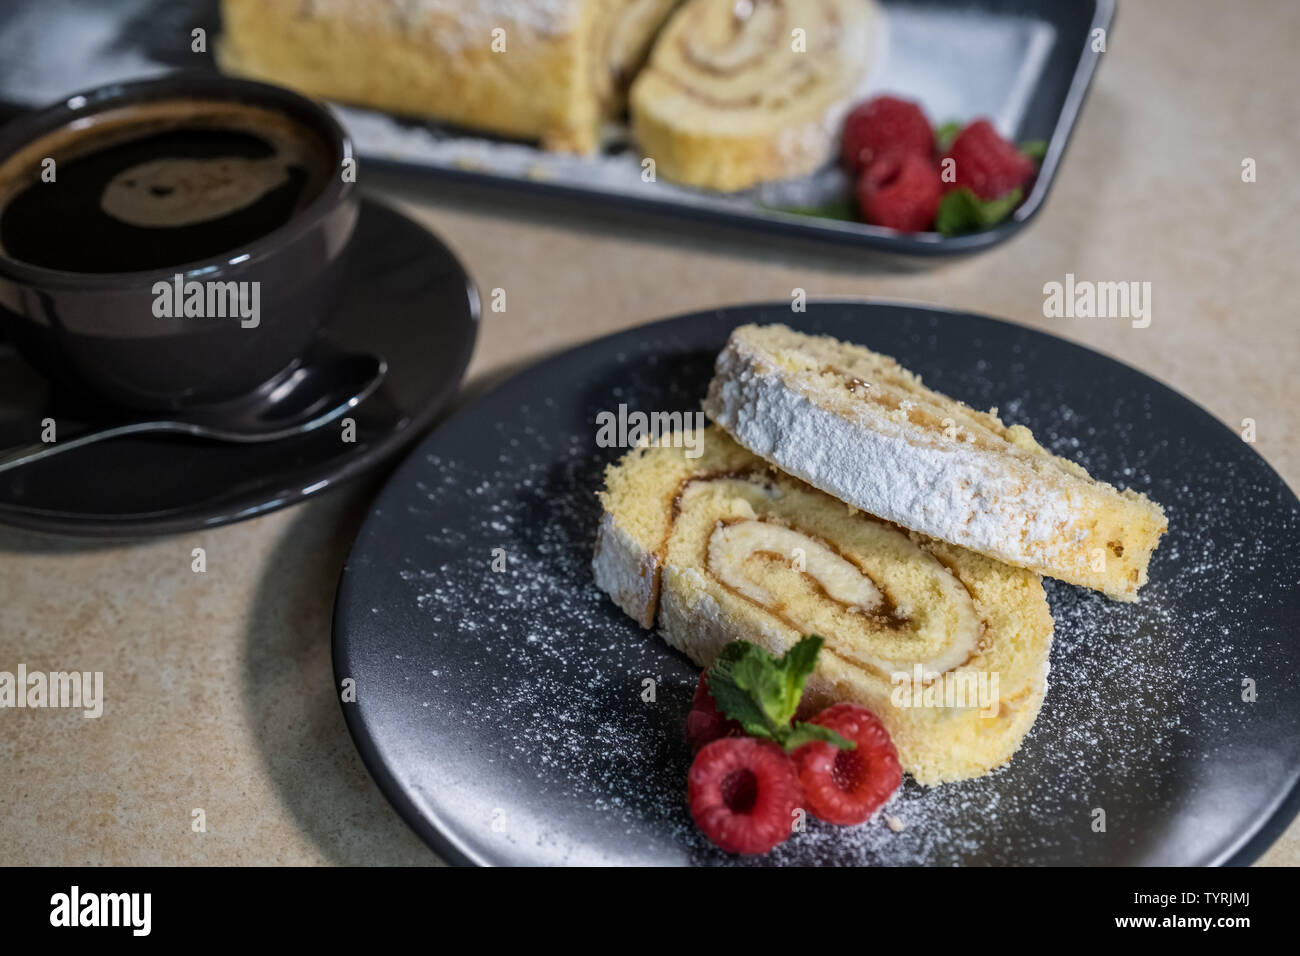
[[406, 298], [500, 706]]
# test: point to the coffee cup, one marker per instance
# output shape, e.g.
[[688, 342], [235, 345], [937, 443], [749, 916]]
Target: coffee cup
[[172, 242]]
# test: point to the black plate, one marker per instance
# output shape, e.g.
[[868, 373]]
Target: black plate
[[406, 298], [518, 692], [1026, 63]]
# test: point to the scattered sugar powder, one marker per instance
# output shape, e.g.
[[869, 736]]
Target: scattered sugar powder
[[541, 675]]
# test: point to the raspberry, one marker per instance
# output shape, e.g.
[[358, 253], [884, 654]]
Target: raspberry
[[900, 191], [882, 125], [848, 786], [705, 722], [743, 793], [986, 163]]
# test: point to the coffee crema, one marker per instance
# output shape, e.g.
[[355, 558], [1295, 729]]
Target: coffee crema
[[158, 185]]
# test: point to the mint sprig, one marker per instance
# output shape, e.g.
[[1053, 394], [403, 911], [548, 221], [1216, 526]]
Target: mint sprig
[[1035, 149], [945, 133], [805, 733], [962, 211], [761, 692], [842, 208]]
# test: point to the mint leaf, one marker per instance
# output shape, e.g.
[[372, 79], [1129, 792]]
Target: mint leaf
[[962, 211], [945, 134], [777, 685], [737, 704], [735, 699], [804, 733], [796, 667], [762, 692], [1035, 149], [760, 675], [843, 209]]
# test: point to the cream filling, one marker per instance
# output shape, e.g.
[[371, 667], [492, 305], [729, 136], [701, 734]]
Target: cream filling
[[732, 545], [939, 628]]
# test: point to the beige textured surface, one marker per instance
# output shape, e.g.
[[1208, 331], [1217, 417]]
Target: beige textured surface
[[218, 685]]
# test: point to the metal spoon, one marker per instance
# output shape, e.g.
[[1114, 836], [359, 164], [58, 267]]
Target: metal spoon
[[302, 399]]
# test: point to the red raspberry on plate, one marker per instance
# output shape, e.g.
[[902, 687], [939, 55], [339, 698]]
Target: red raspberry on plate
[[705, 723], [900, 191], [882, 125], [986, 163], [848, 786], [743, 792]]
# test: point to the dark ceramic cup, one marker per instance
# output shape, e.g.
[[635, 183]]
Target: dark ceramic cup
[[98, 334]]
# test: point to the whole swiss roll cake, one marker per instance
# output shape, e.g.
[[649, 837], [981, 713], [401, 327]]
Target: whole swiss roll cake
[[550, 70], [738, 92], [948, 648]]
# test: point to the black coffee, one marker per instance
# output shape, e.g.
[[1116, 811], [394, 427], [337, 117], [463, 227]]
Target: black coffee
[[158, 186]]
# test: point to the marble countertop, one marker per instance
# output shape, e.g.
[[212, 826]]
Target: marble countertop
[[219, 688]]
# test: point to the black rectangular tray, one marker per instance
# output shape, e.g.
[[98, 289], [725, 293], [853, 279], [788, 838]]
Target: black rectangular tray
[[1026, 64]]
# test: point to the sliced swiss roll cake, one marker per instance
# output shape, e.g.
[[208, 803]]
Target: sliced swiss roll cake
[[621, 33], [948, 648], [738, 93], [861, 427]]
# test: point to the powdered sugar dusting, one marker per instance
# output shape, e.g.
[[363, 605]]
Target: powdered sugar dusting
[[453, 24], [531, 681], [955, 493]]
